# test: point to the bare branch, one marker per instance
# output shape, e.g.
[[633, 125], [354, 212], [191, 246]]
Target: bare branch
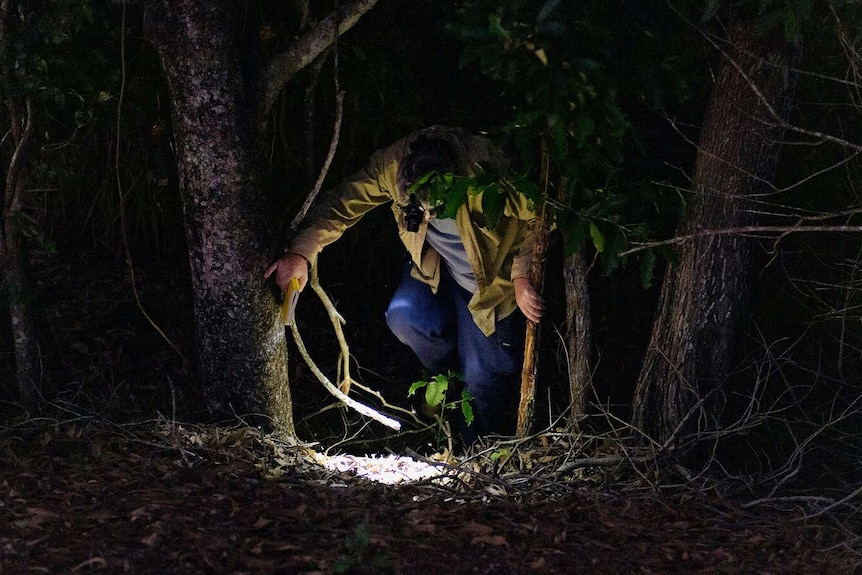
[[784, 230], [350, 402], [769, 184], [19, 157], [773, 113], [308, 47], [333, 146]]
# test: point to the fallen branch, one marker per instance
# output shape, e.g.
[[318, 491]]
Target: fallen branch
[[602, 462]]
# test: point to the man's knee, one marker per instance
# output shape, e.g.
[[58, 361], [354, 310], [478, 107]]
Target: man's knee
[[402, 321]]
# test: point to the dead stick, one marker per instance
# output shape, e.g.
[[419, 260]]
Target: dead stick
[[531, 343], [337, 393], [337, 321]]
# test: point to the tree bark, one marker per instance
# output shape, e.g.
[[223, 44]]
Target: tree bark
[[16, 280], [532, 339], [13, 270], [579, 334], [240, 344], [690, 354]]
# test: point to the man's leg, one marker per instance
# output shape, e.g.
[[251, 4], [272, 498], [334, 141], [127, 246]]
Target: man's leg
[[425, 322], [492, 369]]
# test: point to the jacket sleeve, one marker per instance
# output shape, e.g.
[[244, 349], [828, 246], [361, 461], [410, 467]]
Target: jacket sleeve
[[520, 208], [524, 258], [343, 206]]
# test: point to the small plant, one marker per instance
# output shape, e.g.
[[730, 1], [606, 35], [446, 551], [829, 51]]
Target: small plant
[[436, 396]]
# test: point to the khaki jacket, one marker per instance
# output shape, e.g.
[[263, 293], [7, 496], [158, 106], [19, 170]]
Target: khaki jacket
[[496, 256]]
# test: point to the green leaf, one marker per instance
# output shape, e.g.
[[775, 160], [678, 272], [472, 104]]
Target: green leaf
[[87, 11], [610, 262], [710, 11], [584, 128], [503, 452], [421, 181], [417, 385], [791, 25], [495, 26], [610, 257], [435, 393], [559, 142], [575, 234], [597, 237], [466, 408], [439, 191], [455, 198], [647, 261], [528, 187]]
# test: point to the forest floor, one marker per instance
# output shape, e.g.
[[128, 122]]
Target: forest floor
[[108, 480], [162, 498]]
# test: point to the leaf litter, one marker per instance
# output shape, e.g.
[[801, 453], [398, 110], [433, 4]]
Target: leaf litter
[[92, 497]]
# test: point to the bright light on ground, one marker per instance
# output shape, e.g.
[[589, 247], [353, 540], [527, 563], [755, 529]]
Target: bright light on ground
[[388, 469]]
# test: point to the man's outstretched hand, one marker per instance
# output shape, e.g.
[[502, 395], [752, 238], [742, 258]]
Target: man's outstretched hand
[[532, 304], [286, 268]]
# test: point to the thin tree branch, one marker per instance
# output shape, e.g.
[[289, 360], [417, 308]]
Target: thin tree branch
[[308, 47], [334, 317], [19, 157], [350, 402], [337, 321], [784, 230], [778, 118], [333, 146]]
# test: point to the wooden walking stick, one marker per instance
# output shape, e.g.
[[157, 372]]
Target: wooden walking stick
[[531, 343]]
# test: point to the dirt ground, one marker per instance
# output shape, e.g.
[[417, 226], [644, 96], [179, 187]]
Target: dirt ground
[[89, 497]]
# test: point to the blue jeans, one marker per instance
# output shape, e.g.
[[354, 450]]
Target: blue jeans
[[440, 330]]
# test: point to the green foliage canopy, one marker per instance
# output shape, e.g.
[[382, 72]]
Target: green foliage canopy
[[557, 65]]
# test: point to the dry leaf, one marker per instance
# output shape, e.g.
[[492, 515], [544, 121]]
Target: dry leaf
[[151, 540], [475, 530], [493, 540]]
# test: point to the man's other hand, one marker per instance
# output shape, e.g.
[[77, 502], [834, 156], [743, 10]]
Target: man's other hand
[[286, 268], [531, 303]]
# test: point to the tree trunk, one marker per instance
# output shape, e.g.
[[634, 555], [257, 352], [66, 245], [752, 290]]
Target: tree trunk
[[690, 354], [19, 290], [579, 334], [13, 269], [240, 345]]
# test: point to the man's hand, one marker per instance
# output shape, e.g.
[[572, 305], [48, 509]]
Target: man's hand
[[531, 303], [286, 268]]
